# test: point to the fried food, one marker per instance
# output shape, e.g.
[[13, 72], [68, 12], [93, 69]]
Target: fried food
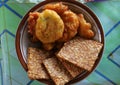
[[34, 62], [48, 46], [32, 19], [57, 71], [49, 27], [58, 7], [71, 23], [64, 54], [85, 28], [80, 52], [33, 16]]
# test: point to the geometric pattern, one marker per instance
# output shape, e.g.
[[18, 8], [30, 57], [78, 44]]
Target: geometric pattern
[[107, 72], [114, 56]]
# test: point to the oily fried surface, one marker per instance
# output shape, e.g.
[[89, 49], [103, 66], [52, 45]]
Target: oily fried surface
[[85, 28], [32, 19], [58, 7], [69, 18], [71, 23], [57, 24], [48, 46], [49, 26]]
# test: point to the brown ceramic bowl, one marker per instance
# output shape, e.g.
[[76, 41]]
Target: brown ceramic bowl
[[23, 42]]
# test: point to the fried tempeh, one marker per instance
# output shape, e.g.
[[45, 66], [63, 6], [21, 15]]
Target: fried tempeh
[[57, 72], [81, 52], [34, 62]]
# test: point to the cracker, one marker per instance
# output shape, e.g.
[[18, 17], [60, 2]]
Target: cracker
[[57, 71], [81, 52], [73, 70], [34, 62]]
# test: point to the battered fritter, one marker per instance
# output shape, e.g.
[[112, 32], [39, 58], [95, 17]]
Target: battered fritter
[[49, 26], [71, 23], [85, 28], [58, 7]]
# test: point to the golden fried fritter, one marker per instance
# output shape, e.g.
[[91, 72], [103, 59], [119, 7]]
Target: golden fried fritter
[[48, 46], [58, 7], [85, 28], [49, 27], [71, 23], [32, 19]]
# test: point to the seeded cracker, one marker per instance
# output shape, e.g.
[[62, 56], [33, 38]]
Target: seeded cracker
[[35, 68], [73, 70], [57, 72], [80, 52]]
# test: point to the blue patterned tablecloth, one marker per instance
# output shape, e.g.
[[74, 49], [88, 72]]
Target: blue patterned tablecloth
[[11, 71]]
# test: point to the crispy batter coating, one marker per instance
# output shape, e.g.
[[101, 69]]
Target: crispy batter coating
[[58, 7], [33, 16], [85, 28], [48, 46], [71, 23], [49, 27], [32, 21]]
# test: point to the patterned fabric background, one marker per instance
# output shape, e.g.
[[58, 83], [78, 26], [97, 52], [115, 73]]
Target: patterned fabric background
[[11, 71]]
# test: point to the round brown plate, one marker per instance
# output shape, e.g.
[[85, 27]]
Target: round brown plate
[[23, 42]]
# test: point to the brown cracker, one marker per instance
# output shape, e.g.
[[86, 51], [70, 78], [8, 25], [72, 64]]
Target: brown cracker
[[34, 62], [57, 71], [80, 52], [73, 70]]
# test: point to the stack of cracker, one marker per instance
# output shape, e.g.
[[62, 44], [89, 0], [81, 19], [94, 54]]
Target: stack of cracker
[[80, 52], [57, 71], [73, 58]]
